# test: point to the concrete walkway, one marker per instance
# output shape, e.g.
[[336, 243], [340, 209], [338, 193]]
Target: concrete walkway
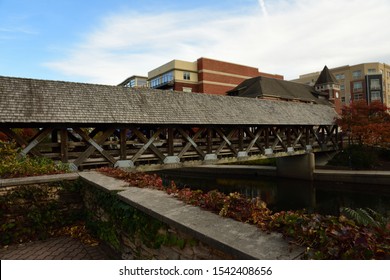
[[58, 248]]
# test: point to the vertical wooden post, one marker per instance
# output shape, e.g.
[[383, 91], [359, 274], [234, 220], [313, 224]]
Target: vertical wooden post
[[64, 145], [266, 137], [288, 136], [170, 141], [307, 136], [240, 139], [54, 140], [122, 143], [209, 141]]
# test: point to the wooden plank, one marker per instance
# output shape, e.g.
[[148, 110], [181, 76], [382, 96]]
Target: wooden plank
[[191, 142], [148, 143], [94, 145]]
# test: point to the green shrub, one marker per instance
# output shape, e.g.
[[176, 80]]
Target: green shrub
[[13, 165]]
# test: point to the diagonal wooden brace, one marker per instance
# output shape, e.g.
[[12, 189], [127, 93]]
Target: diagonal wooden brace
[[19, 140], [277, 140], [226, 140], [191, 142], [148, 143], [94, 145], [39, 137], [255, 140]]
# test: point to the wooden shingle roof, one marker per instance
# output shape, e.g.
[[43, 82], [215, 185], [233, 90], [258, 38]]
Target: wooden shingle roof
[[263, 87], [37, 102]]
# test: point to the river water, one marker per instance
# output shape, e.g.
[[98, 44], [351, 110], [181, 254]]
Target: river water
[[287, 194]]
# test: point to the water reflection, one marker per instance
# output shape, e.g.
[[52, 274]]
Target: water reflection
[[282, 194]]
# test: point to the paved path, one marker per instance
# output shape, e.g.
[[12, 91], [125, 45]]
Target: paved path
[[59, 248]]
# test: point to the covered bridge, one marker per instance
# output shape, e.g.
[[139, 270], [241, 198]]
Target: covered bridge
[[88, 124]]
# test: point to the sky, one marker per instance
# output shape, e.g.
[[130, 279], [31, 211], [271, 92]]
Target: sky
[[104, 42]]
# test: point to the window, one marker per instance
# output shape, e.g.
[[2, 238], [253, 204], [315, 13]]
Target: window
[[375, 84], [376, 95], [342, 87], [357, 86], [357, 96], [186, 76], [343, 99], [356, 74], [340, 76], [371, 70]]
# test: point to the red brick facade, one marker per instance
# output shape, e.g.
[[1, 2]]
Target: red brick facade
[[218, 77]]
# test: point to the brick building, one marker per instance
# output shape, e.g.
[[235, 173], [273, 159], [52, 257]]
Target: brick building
[[203, 75]]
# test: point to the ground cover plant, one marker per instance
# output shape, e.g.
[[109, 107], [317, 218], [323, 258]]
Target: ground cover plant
[[13, 165], [348, 236]]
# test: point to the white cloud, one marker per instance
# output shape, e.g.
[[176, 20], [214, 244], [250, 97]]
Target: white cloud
[[283, 37]]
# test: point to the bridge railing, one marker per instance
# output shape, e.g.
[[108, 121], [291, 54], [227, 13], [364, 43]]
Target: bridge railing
[[132, 146]]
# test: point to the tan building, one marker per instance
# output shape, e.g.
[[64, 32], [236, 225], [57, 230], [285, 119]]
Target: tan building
[[366, 81]]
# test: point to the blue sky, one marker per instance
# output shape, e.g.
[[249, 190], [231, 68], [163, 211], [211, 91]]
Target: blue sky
[[101, 41]]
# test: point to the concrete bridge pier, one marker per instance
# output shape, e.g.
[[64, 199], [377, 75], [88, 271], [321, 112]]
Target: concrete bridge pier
[[296, 167]]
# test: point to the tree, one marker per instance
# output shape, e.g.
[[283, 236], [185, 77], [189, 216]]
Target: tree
[[368, 124]]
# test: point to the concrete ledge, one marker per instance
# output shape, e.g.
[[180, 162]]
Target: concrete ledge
[[103, 182], [238, 239], [38, 179]]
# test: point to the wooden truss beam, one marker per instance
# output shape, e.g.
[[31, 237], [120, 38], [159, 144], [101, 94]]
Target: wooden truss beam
[[94, 145]]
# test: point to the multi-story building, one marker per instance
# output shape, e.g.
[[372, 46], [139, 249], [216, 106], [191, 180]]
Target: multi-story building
[[204, 75], [366, 81]]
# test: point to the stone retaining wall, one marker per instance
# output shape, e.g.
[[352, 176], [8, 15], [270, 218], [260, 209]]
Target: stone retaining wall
[[32, 208], [150, 224]]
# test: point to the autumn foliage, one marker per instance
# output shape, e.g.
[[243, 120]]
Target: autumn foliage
[[366, 124]]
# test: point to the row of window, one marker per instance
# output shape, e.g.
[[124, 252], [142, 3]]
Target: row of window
[[357, 74], [166, 78], [163, 79]]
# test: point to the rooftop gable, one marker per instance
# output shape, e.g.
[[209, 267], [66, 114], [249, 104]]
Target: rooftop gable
[[325, 77], [268, 87]]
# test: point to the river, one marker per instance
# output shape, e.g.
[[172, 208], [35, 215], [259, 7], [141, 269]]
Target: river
[[287, 194]]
